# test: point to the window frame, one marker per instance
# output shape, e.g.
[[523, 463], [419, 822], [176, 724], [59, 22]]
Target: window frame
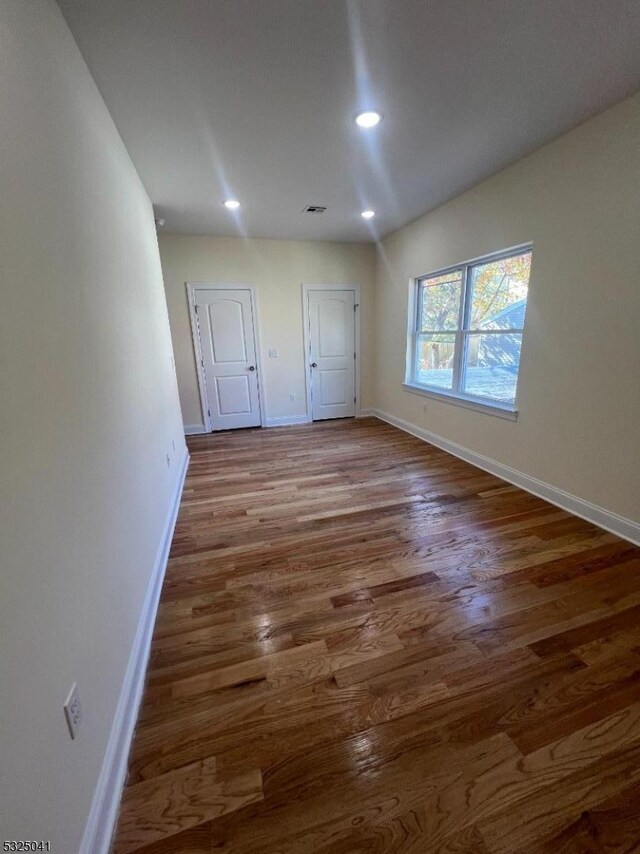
[[462, 335]]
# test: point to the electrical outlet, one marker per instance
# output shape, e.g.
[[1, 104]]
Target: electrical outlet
[[273, 354], [292, 397], [168, 460], [73, 711]]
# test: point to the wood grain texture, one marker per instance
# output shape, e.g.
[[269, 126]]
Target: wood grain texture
[[367, 645], [181, 799]]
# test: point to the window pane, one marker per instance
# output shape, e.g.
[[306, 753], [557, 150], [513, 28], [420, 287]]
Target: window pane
[[499, 293], [492, 361], [440, 302], [434, 365]]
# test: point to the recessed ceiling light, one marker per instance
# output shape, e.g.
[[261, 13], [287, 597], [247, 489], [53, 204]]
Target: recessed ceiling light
[[368, 120], [367, 214], [232, 204]]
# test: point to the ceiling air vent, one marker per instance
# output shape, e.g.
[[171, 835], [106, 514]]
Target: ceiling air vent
[[315, 209]]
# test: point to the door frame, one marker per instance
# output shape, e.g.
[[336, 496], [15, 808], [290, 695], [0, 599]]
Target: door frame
[[307, 287], [192, 291]]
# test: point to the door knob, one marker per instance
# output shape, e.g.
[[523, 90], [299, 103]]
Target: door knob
[[252, 367], [314, 364]]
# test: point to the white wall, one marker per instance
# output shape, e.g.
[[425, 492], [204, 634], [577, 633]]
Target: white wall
[[89, 409], [278, 268], [578, 200]]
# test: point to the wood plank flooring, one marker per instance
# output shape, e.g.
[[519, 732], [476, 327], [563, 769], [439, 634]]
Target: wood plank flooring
[[367, 645]]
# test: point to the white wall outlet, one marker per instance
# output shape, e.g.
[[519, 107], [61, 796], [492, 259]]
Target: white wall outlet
[[168, 460], [292, 397], [273, 354], [73, 711]]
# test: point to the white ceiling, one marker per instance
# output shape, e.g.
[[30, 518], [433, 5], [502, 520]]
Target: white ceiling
[[256, 99]]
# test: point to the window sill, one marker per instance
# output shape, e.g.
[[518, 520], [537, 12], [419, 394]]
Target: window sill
[[466, 402]]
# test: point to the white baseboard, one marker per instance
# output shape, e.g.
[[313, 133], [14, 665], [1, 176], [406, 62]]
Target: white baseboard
[[106, 800], [278, 421], [367, 413], [287, 420], [623, 527]]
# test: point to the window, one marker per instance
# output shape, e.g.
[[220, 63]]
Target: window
[[467, 330]]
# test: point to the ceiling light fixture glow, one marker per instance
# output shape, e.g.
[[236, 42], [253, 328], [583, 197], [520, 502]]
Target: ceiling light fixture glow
[[368, 119], [367, 214], [232, 204]]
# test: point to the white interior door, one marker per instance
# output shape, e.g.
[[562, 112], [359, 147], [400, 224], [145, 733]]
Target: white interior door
[[228, 347], [332, 353]]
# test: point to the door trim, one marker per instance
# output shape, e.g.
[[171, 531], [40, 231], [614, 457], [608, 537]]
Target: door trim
[[306, 337], [192, 290]]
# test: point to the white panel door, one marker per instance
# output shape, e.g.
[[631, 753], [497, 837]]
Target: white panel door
[[227, 342], [332, 353]]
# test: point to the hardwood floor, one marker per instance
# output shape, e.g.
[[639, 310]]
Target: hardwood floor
[[367, 645]]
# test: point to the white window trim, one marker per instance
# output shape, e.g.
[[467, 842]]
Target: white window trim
[[459, 398], [475, 403]]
